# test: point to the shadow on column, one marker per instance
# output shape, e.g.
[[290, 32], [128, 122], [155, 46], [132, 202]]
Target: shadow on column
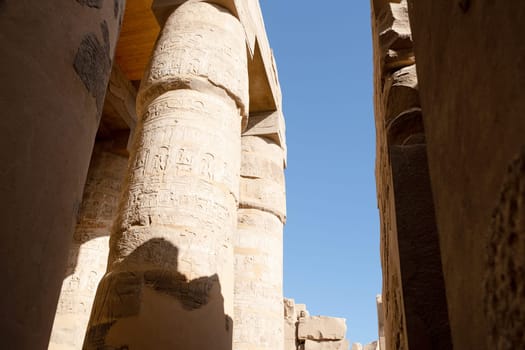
[[98, 209], [143, 302]]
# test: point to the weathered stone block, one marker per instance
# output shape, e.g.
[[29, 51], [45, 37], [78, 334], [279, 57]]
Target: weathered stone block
[[406, 129], [474, 128], [321, 328], [289, 335], [415, 234], [401, 92], [326, 345], [301, 311], [381, 322], [264, 195], [259, 165], [262, 145], [289, 310], [394, 27], [372, 346]]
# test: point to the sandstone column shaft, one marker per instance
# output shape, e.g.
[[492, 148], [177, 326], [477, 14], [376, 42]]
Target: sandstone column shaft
[[414, 299], [259, 322], [169, 283], [88, 253], [56, 61]]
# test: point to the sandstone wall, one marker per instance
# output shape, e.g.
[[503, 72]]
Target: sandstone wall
[[471, 71], [414, 304]]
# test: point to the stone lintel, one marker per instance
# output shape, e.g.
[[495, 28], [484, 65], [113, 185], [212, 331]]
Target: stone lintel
[[267, 124]]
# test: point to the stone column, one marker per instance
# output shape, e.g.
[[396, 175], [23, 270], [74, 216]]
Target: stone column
[[475, 132], [169, 283], [259, 321], [88, 254], [56, 61], [415, 308]]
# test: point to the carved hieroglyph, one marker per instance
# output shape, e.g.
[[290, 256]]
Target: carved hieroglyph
[[169, 283], [89, 250], [259, 322]]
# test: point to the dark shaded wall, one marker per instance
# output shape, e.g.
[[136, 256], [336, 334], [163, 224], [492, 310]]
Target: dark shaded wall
[[471, 67], [56, 58], [414, 302]]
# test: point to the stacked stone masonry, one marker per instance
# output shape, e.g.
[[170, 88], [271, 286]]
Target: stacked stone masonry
[[414, 302], [305, 332]]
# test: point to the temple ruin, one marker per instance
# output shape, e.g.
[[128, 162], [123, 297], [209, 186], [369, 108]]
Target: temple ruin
[[143, 184]]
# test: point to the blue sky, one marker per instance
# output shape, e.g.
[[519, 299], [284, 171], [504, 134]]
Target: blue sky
[[331, 243]]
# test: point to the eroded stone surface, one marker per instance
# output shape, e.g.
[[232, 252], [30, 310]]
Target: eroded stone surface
[[474, 129], [321, 328], [303, 332], [50, 119], [183, 56], [505, 262], [372, 346], [326, 345], [380, 323], [259, 322], [414, 309], [290, 324], [401, 92], [262, 179], [394, 35], [170, 273], [89, 249]]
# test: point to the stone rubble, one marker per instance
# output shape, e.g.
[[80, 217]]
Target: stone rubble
[[305, 332]]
